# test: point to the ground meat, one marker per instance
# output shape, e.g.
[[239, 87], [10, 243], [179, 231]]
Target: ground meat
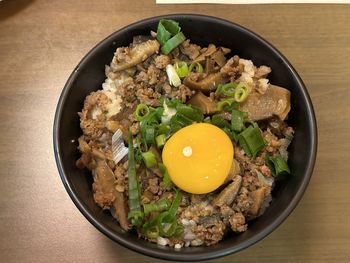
[[162, 61], [250, 181], [148, 96], [210, 235], [92, 118], [237, 222], [243, 201], [182, 93], [127, 93]]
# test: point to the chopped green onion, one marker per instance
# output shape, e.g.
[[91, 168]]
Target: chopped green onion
[[173, 78], [161, 205], [197, 66], [181, 68], [167, 224], [241, 92], [278, 166], [160, 140], [226, 90], [141, 112], [192, 113], [232, 134], [166, 178], [166, 29], [225, 104], [220, 122], [135, 214], [152, 232], [173, 43], [179, 121], [251, 140], [150, 228], [163, 129], [149, 159], [150, 134], [237, 120]]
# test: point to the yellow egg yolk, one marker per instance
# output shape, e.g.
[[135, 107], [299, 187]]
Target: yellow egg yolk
[[198, 158]]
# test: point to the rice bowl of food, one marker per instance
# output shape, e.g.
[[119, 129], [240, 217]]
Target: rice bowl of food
[[181, 142]]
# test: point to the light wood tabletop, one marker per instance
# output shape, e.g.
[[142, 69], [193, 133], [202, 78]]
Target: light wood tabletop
[[40, 44]]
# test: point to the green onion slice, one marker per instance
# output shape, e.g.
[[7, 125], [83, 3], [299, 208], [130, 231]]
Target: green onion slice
[[166, 177], [141, 112], [181, 69], [149, 159], [225, 104], [192, 113], [237, 120], [251, 140], [160, 140], [278, 166], [161, 205], [241, 92], [197, 66], [226, 90], [173, 43], [135, 214], [166, 29]]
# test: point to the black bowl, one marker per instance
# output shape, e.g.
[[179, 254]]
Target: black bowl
[[89, 75]]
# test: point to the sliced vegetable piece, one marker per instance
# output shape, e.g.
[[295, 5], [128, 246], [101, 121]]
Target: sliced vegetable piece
[[173, 43], [237, 120], [181, 68], [160, 140], [251, 140], [241, 93], [174, 79], [190, 112], [141, 112], [166, 177], [278, 166], [226, 90], [149, 159], [135, 215], [161, 205], [196, 66]]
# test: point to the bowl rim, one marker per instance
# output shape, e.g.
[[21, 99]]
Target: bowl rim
[[173, 255]]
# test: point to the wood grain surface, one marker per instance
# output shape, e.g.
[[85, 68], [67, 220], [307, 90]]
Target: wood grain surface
[[40, 44]]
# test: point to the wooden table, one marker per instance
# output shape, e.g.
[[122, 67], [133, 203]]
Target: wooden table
[[40, 44]]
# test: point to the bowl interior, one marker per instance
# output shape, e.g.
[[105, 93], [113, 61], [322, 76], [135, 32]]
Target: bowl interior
[[202, 30]]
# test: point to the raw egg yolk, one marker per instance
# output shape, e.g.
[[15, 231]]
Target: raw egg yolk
[[198, 158]]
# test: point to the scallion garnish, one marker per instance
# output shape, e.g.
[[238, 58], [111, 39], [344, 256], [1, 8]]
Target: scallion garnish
[[251, 140], [192, 113], [149, 159], [226, 90], [181, 68], [237, 120], [160, 140], [161, 205], [241, 92], [278, 166], [225, 104], [141, 112], [135, 214], [169, 35], [196, 66], [166, 177]]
